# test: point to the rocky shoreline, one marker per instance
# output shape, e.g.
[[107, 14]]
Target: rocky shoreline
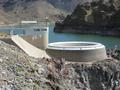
[[60, 28], [21, 72]]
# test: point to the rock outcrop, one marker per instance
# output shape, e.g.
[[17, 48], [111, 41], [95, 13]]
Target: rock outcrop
[[21, 72], [95, 17]]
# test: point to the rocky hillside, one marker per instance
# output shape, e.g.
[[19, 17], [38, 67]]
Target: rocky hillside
[[16, 10], [96, 12], [21, 72], [67, 5], [100, 15]]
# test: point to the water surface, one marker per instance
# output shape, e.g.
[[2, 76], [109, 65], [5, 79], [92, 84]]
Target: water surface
[[108, 41]]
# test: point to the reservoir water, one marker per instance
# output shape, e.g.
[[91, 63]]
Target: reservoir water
[[108, 41]]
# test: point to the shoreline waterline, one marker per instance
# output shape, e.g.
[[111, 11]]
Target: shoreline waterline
[[108, 41]]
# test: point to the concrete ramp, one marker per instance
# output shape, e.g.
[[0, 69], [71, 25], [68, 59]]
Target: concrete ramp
[[28, 48]]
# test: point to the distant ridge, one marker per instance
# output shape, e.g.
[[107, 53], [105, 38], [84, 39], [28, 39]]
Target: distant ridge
[[12, 11]]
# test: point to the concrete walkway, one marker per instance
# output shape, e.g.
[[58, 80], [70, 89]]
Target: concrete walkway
[[28, 48]]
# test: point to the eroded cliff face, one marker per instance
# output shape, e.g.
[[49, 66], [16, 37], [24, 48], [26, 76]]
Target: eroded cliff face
[[21, 72]]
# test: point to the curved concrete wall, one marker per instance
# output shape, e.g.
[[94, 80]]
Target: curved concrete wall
[[78, 56], [77, 51]]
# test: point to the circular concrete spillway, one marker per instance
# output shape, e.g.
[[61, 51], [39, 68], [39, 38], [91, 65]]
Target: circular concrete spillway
[[77, 51]]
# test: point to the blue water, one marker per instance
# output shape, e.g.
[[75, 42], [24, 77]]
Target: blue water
[[108, 41]]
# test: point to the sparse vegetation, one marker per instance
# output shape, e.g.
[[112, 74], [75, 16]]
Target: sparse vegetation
[[21, 72]]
